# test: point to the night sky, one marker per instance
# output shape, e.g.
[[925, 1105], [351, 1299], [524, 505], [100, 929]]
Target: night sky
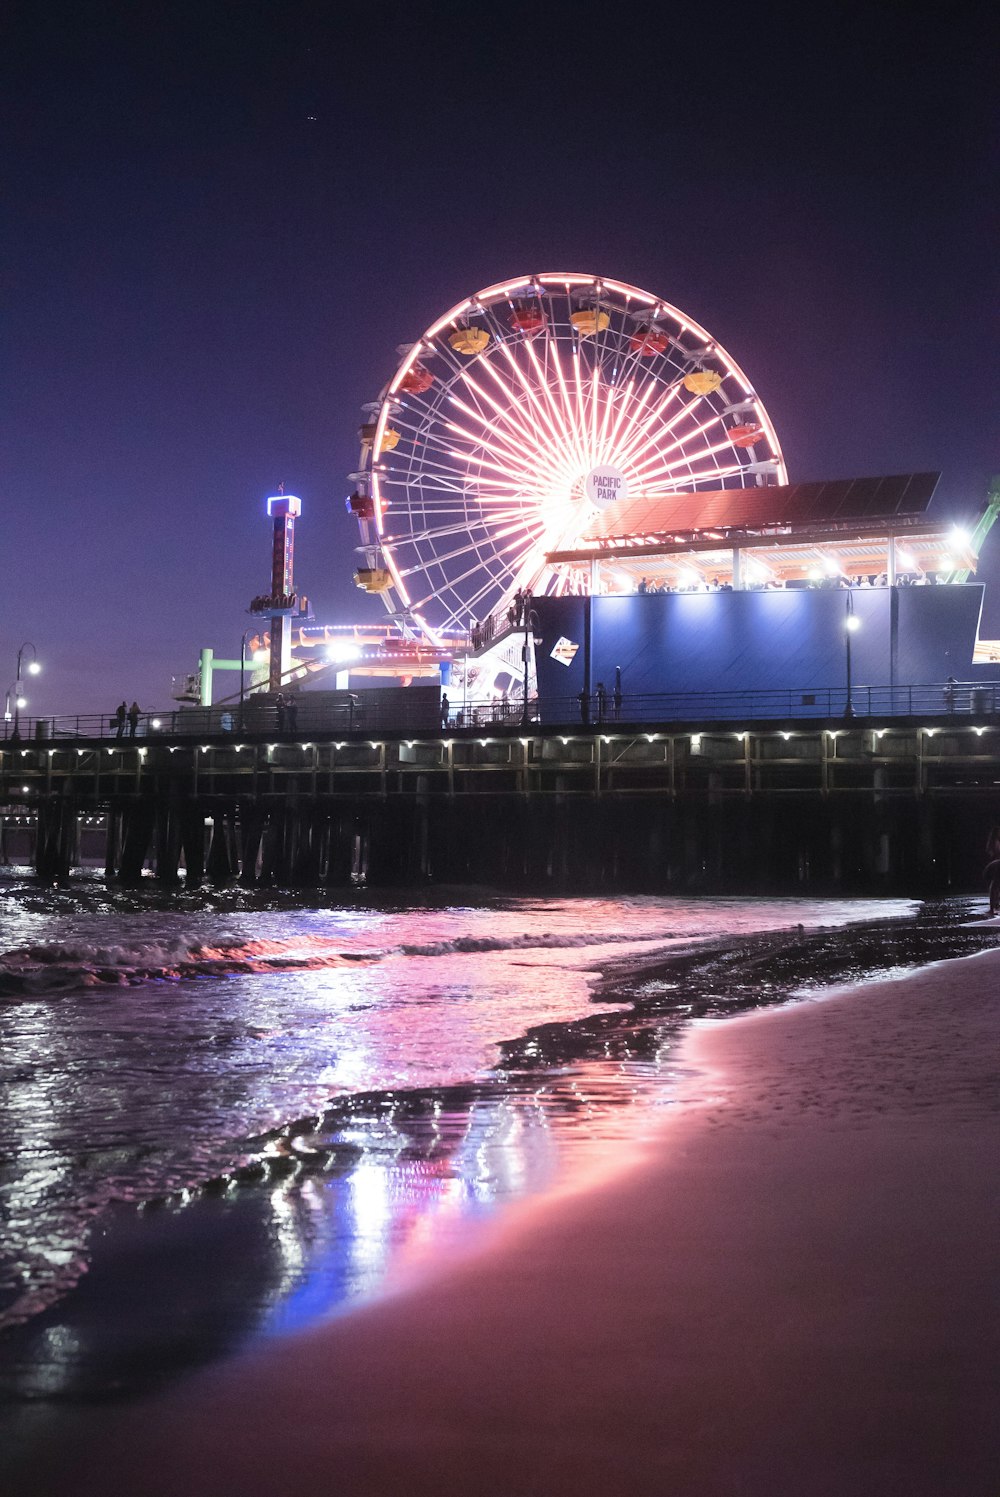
[[221, 219]]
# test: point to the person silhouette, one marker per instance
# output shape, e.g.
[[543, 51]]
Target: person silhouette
[[991, 872]]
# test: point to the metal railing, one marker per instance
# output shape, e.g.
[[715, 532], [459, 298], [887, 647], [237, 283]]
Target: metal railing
[[937, 700], [931, 699]]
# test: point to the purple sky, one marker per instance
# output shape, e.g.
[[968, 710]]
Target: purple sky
[[223, 218]]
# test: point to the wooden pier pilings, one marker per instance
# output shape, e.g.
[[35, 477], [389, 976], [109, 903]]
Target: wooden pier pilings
[[894, 807]]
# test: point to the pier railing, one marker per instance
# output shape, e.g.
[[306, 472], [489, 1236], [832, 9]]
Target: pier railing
[[932, 699], [352, 717]]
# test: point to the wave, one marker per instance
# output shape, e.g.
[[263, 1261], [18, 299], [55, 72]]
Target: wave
[[460, 944], [59, 967]]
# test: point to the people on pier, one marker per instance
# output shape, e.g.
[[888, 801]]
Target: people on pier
[[650, 586], [991, 872], [445, 709], [281, 711], [602, 701], [583, 697], [133, 719], [121, 717]]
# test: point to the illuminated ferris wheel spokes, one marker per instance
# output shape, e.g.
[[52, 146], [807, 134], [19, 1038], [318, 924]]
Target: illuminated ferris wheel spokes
[[503, 425]]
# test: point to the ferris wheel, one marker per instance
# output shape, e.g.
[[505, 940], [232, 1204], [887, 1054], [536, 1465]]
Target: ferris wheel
[[517, 417]]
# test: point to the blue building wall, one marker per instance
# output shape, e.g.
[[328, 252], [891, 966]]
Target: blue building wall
[[790, 640]]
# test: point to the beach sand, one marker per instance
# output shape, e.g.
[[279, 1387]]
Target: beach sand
[[792, 1290]]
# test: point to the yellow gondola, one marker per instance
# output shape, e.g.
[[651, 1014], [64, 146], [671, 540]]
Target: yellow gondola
[[469, 340], [373, 579], [702, 382], [390, 437], [589, 320]]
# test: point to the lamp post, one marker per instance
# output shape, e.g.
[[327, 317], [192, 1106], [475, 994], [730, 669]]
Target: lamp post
[[20, 701], [851, 623], [465, 676], [243, 667], [256, 659], [528, 616]]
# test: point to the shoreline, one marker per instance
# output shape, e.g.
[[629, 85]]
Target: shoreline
[[788, 1291], [591, 1061]]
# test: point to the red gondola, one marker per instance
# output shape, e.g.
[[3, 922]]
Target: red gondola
[[362, 505], [746, 436], [647, 341], [416, 380], [527, 318]]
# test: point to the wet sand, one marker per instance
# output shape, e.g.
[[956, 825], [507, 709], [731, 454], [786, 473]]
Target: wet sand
[[793, 1290]]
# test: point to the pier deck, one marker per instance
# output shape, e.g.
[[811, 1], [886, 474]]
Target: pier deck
[[879, 804]]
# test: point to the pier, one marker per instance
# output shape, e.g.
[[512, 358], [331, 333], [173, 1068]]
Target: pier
[[567, 742], [890, 803]]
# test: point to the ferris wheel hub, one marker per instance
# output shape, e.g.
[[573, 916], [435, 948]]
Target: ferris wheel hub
[[606, 486]]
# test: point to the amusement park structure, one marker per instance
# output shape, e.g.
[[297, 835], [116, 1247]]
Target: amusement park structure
[[627, 651], [519, 415], [565, 435]]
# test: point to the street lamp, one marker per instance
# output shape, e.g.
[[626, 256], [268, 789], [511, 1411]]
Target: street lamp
[[257, 658], [465, 673], [20, 700], [851, 623], [243, 666], [528, 617]]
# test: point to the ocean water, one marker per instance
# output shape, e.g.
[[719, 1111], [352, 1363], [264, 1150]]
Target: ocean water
[[224, 1117]]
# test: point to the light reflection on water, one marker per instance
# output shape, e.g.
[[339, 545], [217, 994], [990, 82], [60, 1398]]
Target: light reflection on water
[[150, 1067]]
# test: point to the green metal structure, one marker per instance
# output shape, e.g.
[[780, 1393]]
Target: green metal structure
[[983, 527]]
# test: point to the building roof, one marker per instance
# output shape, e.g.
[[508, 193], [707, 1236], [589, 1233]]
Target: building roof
[[781, 533], [795, 505]]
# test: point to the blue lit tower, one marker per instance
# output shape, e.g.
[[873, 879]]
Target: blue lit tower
[[281, 603]]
